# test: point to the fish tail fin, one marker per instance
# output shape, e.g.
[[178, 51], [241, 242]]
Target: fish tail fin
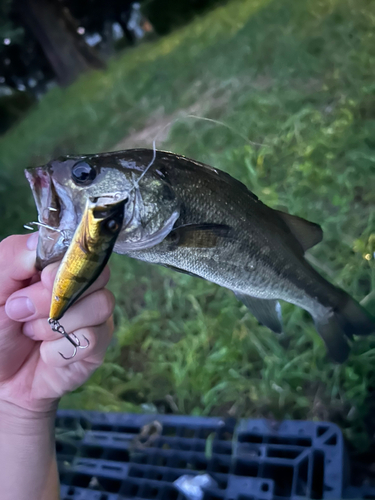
[[354, 319], [338, 324]]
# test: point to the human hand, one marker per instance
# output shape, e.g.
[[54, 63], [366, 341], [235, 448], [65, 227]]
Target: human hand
[[33, 375]]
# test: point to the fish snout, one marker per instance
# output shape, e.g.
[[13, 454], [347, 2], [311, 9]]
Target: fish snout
[[38, 178]]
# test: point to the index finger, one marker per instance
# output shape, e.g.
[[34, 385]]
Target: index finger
[[17, 263]]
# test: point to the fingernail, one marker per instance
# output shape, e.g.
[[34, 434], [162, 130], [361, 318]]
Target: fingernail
[[19, 308], [32, 241]]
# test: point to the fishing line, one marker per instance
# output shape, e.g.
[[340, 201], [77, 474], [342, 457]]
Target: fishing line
[[210, 120], [136, 183], [169, 124], [180, 118], [218, 122]]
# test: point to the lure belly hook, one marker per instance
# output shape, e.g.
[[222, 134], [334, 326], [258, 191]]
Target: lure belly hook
[[73, 339]]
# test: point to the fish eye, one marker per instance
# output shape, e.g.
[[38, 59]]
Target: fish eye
[[83, 173], [112, 225]]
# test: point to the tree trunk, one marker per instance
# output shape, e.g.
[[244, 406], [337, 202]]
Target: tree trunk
[[107, 47], [56, 31]]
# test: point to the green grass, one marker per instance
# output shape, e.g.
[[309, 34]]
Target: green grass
[[296, 79]]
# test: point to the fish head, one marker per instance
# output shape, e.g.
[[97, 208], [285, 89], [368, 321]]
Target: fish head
[[62, 188]]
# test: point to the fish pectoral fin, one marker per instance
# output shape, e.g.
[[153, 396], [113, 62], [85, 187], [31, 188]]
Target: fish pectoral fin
[[307, 233], [267, 312], [197, 235]]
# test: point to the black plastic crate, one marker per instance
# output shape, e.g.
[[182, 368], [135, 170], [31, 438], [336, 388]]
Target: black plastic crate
[[112, 456]]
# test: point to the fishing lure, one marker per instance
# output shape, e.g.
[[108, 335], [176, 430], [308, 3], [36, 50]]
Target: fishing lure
[[85, 259]]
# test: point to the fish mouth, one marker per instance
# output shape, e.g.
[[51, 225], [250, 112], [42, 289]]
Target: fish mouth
[[56, 216]]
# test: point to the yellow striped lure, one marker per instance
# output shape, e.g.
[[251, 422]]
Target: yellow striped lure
[[85, 259]]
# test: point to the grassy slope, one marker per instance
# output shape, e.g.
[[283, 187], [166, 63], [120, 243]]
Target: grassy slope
[[295, 77]]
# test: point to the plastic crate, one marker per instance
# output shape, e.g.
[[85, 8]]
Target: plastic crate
[[111, 456]]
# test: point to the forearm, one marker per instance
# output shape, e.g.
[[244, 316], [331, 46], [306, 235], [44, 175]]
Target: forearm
[[28, 468]]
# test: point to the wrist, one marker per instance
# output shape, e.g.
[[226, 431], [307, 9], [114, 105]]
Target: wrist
[[17, 420], [28, 467]]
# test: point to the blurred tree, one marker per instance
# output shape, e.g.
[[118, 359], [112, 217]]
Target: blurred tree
[[7, 28], [165, 15], [56, 31], [23, 66], [98, 16]]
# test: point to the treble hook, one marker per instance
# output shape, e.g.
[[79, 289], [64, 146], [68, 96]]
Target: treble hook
[[63, 232], [73, 339]]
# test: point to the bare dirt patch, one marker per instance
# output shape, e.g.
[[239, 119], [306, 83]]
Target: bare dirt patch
[[158, 127]]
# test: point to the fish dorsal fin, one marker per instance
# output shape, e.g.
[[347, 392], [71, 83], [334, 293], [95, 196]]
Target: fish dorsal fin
[[307, 233]]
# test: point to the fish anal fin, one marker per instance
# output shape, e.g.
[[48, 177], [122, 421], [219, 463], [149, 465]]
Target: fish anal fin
[[267, 312], [307, 233], [197, 235]]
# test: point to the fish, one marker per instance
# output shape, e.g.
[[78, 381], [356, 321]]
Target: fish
[[87, 254], [199, 220]]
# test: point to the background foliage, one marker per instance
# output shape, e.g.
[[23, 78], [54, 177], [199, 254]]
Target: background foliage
[[293, 82]]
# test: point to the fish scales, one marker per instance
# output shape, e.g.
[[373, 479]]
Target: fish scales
[[253, 258]]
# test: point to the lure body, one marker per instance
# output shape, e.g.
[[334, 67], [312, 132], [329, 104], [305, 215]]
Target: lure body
[[88, 253]]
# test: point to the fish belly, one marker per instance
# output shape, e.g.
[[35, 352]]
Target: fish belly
[[266, 277]]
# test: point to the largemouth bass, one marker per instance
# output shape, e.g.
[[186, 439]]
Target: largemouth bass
[[196, 219]]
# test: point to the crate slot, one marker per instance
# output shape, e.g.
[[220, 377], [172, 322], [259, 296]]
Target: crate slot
[[64, 448], [332, 440], [111, 467], [280, 452], [129, 488], [298, 441], [282, 476], [110, 485], [91, 451], [101, 427], [116, 455], [317, 486], [250, 438], [321, 429], [213, 496], [246, 468], [169, 431], [81, 480], [302, 484], [188, 433]]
